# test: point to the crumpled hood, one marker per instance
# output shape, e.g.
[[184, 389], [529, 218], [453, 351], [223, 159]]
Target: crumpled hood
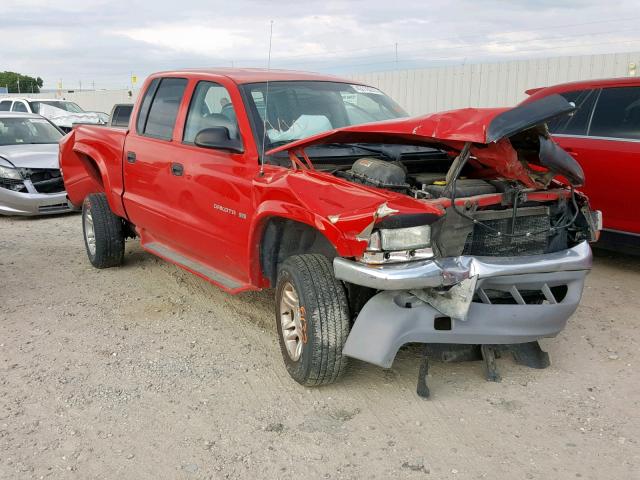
[[31, 156], [451, 128], [488, 129]]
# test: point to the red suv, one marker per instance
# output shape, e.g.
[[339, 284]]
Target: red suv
[[603, 135]]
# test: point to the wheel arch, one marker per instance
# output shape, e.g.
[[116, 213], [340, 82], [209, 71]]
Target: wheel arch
[[91, 177], [283, 237], [278, 233]]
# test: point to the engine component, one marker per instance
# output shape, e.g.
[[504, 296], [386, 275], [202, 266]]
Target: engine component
[[464, 188], [427, 178], [378, 173]]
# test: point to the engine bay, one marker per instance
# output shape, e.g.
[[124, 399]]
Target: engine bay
[[407, 177]]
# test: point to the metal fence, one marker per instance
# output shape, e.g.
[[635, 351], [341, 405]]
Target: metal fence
[[492, 84]]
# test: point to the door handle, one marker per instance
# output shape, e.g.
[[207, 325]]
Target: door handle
[[131, 157], [177, 169]]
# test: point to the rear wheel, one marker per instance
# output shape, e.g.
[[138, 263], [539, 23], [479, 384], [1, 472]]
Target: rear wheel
[[103, 232], [312, 318]]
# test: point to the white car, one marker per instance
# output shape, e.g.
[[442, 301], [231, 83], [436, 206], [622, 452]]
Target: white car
[[61, 112], [30, 179]]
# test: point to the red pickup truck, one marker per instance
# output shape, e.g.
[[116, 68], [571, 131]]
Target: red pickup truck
[[374, 229]]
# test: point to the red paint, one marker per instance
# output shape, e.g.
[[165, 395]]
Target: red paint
[[215, 213], [611, 166]]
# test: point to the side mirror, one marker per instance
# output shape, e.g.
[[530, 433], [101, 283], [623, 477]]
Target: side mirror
[[218, 137]]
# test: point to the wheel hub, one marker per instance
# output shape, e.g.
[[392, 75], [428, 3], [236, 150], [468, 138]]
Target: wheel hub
[[89, 232], [292, 322]]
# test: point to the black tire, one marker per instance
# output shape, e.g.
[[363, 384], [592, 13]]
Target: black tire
[[324, 313], [108, 232]]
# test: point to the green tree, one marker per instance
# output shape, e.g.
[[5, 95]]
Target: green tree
[[18, 83]]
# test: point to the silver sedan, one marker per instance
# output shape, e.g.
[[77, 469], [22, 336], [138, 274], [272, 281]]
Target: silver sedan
[[30, 179]]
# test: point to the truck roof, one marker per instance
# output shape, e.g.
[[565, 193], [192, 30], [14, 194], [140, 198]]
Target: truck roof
[[254, 75]]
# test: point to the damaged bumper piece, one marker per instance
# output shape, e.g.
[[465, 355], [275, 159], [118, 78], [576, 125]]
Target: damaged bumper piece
[[28, 204], [464, 300]]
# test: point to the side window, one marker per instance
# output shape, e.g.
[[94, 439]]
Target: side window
[[19, 107], [5, 105], [617, 113], [210, 107], [578, 122], [164, 108]]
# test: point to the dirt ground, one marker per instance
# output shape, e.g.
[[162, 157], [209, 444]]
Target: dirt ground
[[148, 372]]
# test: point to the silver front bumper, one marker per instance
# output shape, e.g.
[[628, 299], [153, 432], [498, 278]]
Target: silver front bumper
[[450, 271], [17, 203], [402, 313]]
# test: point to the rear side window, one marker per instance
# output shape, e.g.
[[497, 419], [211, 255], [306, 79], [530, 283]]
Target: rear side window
[[120, 116], [578, 122], [617, 113], [5, 106], [164, 108], [19, 107]]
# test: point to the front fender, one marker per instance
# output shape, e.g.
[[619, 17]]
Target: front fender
[[285, 210]]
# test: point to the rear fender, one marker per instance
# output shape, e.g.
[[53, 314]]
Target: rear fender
[[85, 172]]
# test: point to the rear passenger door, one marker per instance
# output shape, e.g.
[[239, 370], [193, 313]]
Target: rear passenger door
[[149, 152]]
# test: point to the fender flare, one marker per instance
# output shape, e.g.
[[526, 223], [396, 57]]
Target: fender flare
[[277, 209], [95, 156]]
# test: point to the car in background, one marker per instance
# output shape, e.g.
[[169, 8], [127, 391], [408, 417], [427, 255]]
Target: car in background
[[62, 113], [603, 135], [30, 178]]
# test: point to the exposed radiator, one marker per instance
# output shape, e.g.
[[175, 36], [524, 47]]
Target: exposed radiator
[[484, 241]]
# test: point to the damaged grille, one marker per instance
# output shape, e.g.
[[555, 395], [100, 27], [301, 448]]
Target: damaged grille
[[44, 180], [485, 242]]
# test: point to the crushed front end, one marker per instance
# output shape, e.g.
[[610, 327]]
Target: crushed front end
[[492, 252]]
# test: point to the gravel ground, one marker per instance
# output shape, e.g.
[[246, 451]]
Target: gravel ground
[[147, 372]]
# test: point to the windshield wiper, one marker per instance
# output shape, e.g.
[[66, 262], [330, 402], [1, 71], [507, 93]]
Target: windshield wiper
[[279, 143]]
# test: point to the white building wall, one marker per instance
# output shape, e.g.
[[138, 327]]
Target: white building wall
[[443, 88], [493, 84]]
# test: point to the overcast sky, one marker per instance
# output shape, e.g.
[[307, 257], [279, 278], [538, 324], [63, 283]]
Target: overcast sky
[[103, 41]]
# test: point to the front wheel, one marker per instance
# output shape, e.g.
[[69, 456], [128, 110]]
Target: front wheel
[[312, 318], [103, 232]]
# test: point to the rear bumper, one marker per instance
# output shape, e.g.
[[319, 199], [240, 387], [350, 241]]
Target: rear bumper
[[29, 204], [405, 311]]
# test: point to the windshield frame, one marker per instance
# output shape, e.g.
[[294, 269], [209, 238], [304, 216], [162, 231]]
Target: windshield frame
[[30, 119], [256, 122]]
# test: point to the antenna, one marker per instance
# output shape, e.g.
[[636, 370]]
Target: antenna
[[266, 104]]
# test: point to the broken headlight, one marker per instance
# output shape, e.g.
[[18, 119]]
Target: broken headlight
[[10, 173], [390, 245], [11, 179]]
